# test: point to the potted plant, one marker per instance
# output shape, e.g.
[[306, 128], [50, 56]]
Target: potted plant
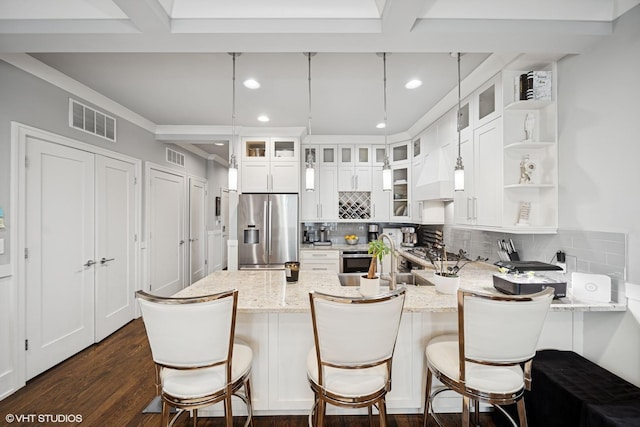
[[445, 276], [370, 282]]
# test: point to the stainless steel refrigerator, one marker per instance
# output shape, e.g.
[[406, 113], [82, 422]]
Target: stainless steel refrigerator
[[267, 230]]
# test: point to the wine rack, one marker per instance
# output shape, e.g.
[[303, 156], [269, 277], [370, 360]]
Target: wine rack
[[354, 205]]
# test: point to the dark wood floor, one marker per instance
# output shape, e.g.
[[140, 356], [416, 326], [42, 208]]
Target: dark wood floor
[[110, 383]]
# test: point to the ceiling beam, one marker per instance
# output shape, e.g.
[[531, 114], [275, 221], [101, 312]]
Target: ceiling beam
[[399, 16], [147, 15]]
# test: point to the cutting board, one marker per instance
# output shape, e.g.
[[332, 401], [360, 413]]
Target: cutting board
[[591, 287]]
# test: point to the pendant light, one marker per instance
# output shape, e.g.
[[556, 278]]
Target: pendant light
[[233, 165], [310, 173], [386, 167], [458, 172]]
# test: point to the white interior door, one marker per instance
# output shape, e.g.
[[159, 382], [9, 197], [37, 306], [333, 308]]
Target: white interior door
[[166, 232], [59, 269], [115, 245], [197, 236]]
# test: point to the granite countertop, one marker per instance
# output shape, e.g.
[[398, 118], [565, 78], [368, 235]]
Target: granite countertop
[[268, 291]]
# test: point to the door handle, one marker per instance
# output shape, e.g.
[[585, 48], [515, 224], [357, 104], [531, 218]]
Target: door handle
[[182, 242], [105, 260], [89, 263]]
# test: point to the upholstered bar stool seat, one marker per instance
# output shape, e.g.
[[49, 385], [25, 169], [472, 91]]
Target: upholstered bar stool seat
[[348, 383], [442, 353], [203, 382]]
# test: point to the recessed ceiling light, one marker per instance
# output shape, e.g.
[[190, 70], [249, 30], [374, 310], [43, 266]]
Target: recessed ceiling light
[[263, 119], [251, 84], [219, 144], [381, 125], [412, 84]]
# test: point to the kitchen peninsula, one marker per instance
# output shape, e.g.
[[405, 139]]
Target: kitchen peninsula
[[273, 317]]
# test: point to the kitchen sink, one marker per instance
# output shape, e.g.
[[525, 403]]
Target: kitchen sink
[[353, 279]]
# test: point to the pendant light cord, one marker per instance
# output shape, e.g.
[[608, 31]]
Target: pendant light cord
[[384, 83], [459, 110], [309, 55], [233, 105]]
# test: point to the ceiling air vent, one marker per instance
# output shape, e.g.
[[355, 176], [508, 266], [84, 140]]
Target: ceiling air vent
[[175, 157], [88, 120]]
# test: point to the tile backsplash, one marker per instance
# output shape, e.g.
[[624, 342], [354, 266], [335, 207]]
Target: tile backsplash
[[586, 251]]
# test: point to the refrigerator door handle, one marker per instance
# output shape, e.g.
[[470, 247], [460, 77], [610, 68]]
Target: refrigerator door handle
[[265, 222], [269, 225]]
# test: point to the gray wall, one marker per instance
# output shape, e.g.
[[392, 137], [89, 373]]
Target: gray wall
[[599, 113], [34, 102]]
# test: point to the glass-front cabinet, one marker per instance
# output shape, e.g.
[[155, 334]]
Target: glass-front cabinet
[[355, 155], [255, 149], [400, 192], [269, 165], [400, 151]]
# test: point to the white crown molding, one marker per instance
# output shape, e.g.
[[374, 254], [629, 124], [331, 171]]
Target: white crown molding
[[50, 75]]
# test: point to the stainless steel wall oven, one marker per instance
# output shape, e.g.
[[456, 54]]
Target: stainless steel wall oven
[[354, 261]]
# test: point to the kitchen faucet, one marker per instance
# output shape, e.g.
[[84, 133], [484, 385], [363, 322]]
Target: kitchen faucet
[[392, 273]]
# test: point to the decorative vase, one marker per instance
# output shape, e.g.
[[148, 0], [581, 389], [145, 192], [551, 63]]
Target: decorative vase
[[369, 287], [446, 285]]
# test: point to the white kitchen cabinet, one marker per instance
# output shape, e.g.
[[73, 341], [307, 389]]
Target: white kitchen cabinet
[[379, 153], [270, 165], [495, 189], [356, 178], [510, 175], [487, 157], [380, 199], [401, 177], [322, 203], [320, 260], [400, 152], [358, 154], [328, 155], [354, 168], [328, 197], [257, 149], [463, 200], [309, 199], [481, 201], [487, 102]]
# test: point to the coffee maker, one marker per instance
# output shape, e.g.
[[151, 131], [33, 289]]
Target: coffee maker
[[373, 232], [409, 236]]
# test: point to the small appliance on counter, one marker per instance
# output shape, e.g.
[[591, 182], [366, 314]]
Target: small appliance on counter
[[528, 283], [528, 277], [324, 238], [309, 234], [409, 236], [373, 232]]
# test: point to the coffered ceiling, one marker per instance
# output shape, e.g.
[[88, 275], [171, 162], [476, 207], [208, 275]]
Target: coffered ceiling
[[167, 61]]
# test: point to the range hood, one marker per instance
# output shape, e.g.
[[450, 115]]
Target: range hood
[[435, 179]]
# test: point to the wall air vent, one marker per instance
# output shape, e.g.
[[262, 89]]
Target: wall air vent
[[175, 157], [88, 120]]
